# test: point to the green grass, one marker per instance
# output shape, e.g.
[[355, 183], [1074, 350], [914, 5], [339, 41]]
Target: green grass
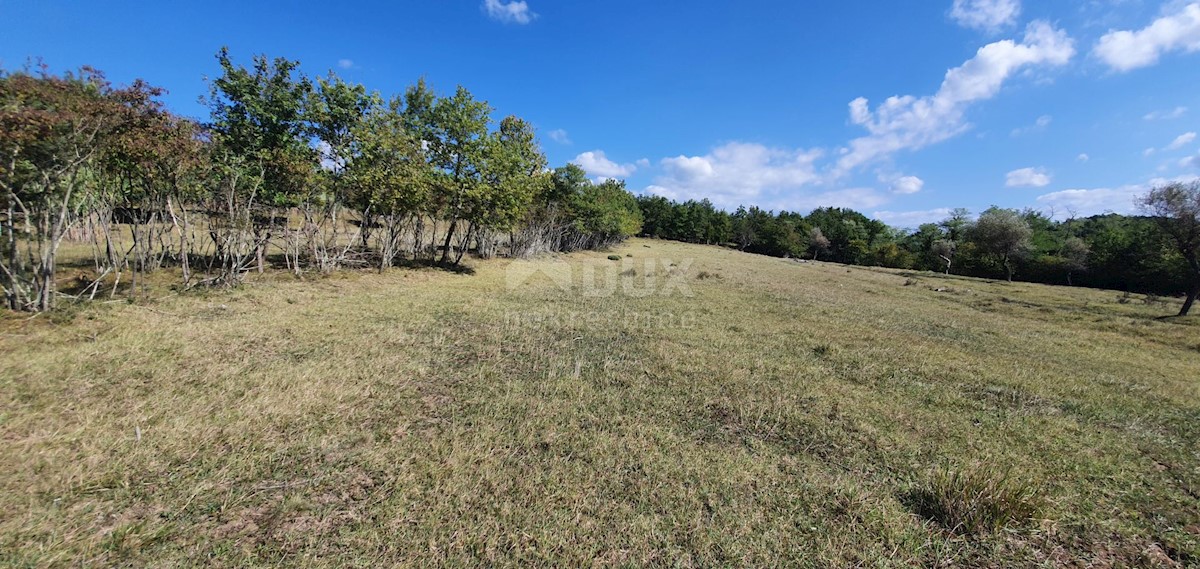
[[782, 414]]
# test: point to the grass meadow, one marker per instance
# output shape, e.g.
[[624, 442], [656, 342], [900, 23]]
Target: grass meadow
[[683, 406]]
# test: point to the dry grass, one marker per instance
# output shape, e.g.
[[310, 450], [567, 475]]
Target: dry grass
[[780, 415]]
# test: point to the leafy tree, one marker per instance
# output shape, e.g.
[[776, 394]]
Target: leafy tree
[[260, 114], [260, 126], [514, 172], [1075, 256], [1002, 234], [457, 128], [1176, 207], [389, 177], [54, 131], [818, 242]]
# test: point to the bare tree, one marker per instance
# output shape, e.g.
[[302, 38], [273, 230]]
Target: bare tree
[[1176, 206]]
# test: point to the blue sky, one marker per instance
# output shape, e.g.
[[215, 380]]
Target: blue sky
[[899, 110]]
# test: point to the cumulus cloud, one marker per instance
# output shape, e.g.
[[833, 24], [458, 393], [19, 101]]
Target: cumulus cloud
[[1039, 125], [986, 15], [1191, 162], [907, 185], [595, 163], [1181, 141], [742, 173], [909, 123], [1126, 50], [559, 135], [515, 12], [1027, 178], [1083, 158], [912, 218], [1087, 202], [737, 173], [1172, 114]]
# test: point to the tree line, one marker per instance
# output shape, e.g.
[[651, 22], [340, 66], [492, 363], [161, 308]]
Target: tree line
[[1157, 253], [307, 174]]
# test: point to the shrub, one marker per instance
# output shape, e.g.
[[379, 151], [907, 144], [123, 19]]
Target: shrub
[[614, 257], [705, 275], [976, 500]]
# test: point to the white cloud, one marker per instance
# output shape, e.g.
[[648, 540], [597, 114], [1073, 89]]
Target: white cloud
[[1039, 125], [1181, 141], [1191, 162], [912, 218], [594, 162], [346, 63], [907, 185], [1027, 178], [1172, 114], [515, 12], [559, 135], [986, 15], [1125, 50], [1087, 202], [737, 173], [1083, 157], [908, 122]]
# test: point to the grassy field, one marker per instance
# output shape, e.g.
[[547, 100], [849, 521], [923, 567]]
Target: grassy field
[[721, 409]]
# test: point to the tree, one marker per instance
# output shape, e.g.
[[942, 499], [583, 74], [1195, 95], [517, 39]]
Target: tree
[[456, 128], [1074, 255], [1176, 207], [513, 172], [1003, 234], [817, 242], [260, 122], [54, 132], [957, 223], [388, 177], [945, 249]]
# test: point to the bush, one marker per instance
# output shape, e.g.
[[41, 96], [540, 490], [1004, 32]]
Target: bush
[[614, 257], [976, 500]]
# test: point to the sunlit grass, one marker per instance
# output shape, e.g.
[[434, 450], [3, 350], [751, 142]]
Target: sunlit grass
[[782, 413]]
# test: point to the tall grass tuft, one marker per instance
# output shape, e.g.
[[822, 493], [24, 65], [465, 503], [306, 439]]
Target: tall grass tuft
[[976, 500]]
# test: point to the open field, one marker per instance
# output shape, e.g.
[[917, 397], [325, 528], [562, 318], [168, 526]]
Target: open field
[[747, 411]]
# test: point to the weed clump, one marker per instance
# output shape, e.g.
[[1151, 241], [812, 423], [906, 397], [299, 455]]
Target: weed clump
[[705, 275], [614, 257], [976, 500]]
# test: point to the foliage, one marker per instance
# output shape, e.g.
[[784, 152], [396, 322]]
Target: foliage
[[319, 175]]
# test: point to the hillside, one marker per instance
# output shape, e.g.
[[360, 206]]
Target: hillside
[[731, 409]]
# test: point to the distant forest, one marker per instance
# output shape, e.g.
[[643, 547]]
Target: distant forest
[[1126, 253]]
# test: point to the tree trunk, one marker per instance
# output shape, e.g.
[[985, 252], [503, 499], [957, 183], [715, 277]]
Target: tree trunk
[[449, 235], [1191, 299]]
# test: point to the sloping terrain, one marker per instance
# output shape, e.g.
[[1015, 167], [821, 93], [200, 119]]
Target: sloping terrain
[[684, 406]]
